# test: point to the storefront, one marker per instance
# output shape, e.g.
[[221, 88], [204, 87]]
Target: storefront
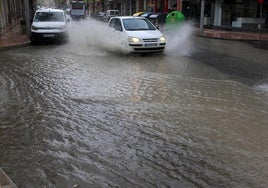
[[232, 13], [159, 5], [248, 14]]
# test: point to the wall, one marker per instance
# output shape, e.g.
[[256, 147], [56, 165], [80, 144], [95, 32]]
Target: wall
[[11, 12]]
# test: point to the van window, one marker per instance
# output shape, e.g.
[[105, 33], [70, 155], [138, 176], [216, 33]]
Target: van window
[[113, 12]]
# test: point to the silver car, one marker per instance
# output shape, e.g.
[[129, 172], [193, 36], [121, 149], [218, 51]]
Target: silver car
[[137, 34]]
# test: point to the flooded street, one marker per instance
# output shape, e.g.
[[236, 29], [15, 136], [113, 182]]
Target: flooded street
[[76, 115]]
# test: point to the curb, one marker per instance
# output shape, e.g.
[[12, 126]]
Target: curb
[[5, 181], [8, 47]]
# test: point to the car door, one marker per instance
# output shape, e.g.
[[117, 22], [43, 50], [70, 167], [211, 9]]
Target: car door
[[118, 33]]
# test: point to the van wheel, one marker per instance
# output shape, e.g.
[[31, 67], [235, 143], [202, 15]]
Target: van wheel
[[33, 41]]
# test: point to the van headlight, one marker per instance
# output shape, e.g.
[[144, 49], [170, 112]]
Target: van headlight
[[34, 28], [134, 39], [162, 39]]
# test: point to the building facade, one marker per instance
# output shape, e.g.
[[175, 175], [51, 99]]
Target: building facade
[[232, 13], [224, 13], [13, 11], [10, 12], [217, 13]]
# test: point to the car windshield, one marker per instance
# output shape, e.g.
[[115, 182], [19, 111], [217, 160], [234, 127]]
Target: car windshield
[[137, 24], [49, 16]]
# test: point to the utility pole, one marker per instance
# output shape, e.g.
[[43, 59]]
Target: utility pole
[[27, 17], [202, 17]]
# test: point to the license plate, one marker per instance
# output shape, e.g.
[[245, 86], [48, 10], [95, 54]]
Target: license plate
[[48, 35], [150, 44]]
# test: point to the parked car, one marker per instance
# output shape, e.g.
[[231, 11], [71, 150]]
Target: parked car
[[158, 19], [138, 13], [137, 34], [49, 25], [146, 14], [109, 14]]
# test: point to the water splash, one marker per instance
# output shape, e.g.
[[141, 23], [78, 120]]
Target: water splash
[[179, 40], [263, 87], [90, 32]]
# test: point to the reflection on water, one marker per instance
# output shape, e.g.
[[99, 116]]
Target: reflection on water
[[69, 118]]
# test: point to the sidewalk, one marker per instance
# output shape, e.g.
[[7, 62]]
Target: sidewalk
[[233, 35], [5, 181], [13, 36]]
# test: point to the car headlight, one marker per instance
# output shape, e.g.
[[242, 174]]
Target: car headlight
[[162, 39], [34, 28], [134, 39]]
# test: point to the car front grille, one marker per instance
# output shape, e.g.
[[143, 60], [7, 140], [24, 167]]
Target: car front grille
[[149, 49], [150, 40]]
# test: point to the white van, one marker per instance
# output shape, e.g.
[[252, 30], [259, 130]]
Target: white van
[[78, 10], [49, 25], [109, 14]]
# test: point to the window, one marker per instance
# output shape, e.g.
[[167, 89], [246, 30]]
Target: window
[[49, 17], [112, 23], [117, 25], [137, 24]]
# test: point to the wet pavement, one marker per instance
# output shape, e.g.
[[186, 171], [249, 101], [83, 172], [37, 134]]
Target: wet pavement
[[78, 115]]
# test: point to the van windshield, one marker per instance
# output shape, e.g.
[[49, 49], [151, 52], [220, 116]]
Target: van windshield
[[49, 17]]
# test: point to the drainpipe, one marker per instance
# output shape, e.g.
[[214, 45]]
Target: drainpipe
[[179, 5], [165, 6], [202, 17], [27, 17]]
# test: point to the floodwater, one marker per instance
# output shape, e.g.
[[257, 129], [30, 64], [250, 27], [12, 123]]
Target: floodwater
[[77, 115]]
